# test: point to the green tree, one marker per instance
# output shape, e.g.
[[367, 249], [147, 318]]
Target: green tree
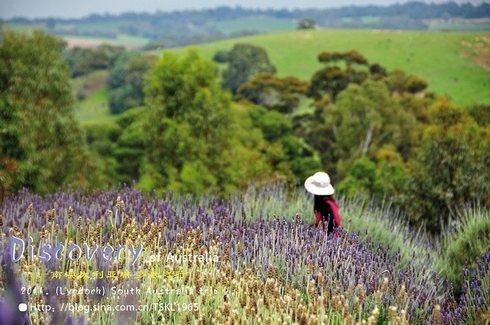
[[189, 124], [364, 119], [328, 82], [399, 83], [220, 56], [289, 155], [35, 86], [245, 61], [126, 81], [450, 168], [12, 155], [348, 57], [480, 113], [361, 179], [316, 132], [101, 139], [306, 23], [128, 151], [82, 61], [281, 94], [391, 173]]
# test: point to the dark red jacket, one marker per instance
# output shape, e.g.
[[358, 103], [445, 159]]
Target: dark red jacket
[[327, 213]]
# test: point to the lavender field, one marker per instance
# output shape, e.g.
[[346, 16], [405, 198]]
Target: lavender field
[[130, 258]]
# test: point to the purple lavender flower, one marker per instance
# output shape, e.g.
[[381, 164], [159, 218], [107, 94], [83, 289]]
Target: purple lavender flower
[[11, 312]]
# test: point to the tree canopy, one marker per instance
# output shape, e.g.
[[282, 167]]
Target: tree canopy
[[189, 124], [306, 23], [281, 94], [450, 168], [127, 81], [46, 145], [245, 61]]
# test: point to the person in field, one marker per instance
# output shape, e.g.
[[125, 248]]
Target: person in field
[[326, 210]]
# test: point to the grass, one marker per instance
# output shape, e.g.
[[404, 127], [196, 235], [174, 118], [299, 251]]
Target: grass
[[94, 108], [121, 39], [460, 24], [434, 56], [458, 244]]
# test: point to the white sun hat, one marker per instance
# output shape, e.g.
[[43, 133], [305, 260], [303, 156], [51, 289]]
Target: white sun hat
[[319, 184]]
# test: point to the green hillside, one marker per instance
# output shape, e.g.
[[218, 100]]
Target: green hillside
[[438, 57]]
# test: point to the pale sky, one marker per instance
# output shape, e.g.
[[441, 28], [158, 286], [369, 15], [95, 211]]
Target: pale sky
[[81, 8]]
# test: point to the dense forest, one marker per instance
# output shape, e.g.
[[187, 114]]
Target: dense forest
[[179, 28]]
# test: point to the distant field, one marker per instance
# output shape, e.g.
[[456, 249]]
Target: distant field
[[459, 24], [259, 23], [94, 107], [122, 40], [435, 56], [365, 19]]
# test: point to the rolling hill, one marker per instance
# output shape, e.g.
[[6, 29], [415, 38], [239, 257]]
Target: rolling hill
[[453, 63]]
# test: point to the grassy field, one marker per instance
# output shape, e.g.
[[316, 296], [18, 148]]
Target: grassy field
[[435, 56], [122, 40], [459, 24], [94, 108]]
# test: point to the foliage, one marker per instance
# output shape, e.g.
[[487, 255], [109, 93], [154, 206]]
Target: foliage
[[450, 168], [129, 149], [100, 138], [400, 83], [13, 155], [327, 83], [361, 179], [189, 122], [82, 61], [481, 114], [290, 154], [245, 61], [348, 57], [364, 119], [127, 80], [306, 23], [220, 56], [36, 89], [281, 94]]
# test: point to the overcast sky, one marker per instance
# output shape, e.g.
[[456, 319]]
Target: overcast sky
[[81, 8]]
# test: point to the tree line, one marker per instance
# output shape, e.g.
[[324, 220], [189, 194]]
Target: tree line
[[180, 28], [184, 126], [412, 9]]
